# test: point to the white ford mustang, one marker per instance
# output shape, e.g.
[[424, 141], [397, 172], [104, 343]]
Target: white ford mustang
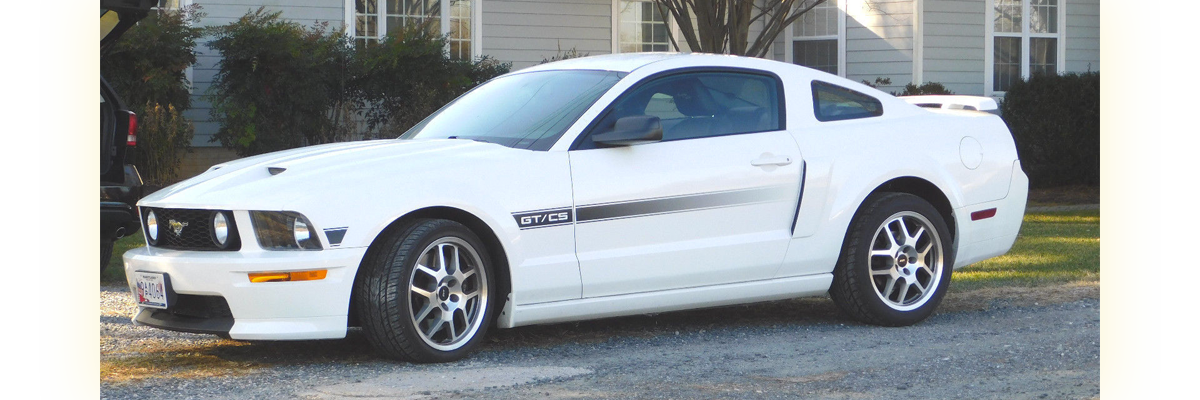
[[588, 188]]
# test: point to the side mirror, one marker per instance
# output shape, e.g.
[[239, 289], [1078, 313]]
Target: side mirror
[[631, 130]]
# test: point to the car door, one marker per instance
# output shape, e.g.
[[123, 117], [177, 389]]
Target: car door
[[711, 203]]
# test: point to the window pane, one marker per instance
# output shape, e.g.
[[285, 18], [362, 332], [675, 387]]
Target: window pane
[[1043, 56], [1008, 16], [1006, 67], [364, 6], [822, 20], [364, 26], [701, 105], [528, 111], [1043, 16], [641, 27], [820, 55], [836, 103]]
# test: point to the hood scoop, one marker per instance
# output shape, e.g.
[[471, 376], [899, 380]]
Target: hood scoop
[[276, 170]]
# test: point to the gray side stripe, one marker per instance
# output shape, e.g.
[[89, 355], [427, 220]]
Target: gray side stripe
[[599, 212]]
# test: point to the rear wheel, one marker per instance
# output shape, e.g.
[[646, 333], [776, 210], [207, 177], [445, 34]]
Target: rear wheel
[[896, 261], [424, 294]]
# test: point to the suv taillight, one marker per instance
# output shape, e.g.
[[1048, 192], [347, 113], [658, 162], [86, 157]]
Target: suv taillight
[[131, 139]]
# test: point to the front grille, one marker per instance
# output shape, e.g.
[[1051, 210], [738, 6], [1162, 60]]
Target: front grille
[[194, 227]]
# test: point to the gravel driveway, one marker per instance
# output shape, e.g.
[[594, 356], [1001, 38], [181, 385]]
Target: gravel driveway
[[787, 349]]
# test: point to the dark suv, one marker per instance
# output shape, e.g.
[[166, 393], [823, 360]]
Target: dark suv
[[120, 183]]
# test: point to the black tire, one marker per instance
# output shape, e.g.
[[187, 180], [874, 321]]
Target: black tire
[[106, 251], [874, 288], [388, 298]]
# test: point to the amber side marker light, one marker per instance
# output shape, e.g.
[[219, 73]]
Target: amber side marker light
[[259, 277]]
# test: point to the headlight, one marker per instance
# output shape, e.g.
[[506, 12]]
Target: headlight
[[283, 230], [220, 229], [152, 226]]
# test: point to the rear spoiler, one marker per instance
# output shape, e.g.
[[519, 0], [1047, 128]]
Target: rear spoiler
[[955, 102]]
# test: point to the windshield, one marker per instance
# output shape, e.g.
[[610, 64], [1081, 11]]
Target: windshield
[[527, 111]]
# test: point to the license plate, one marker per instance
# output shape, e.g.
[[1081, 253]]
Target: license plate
[[151, 289]]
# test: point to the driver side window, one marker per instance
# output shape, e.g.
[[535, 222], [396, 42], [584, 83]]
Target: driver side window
[[701, 104]]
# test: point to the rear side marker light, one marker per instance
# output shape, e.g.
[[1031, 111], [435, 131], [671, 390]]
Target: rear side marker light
[[131, 139], [983, 214], [259, 277]]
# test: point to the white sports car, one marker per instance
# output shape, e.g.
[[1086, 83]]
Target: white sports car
[[588, 188]]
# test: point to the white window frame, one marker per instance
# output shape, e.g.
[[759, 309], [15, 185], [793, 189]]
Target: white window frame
[[616, 28], [381, 28], [989, 66], [841, 39]]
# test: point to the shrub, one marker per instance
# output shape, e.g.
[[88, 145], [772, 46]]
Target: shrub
[[925, 88], [569, 54], [279, 84], [1055, 121], [407, 76], [165, 136], [910, 89], [147, 64]]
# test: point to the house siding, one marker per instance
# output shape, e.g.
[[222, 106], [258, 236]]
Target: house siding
[[1083, 35], [306, 12], [527, 32], [954, 44], [879, 41]]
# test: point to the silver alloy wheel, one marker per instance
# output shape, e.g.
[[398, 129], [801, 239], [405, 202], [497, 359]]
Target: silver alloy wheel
[[906, 261], [448, 293]]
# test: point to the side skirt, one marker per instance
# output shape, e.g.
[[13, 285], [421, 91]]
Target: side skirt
[[666, 300]]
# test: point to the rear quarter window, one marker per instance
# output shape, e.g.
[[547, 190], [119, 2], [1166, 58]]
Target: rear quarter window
[[835, 103]]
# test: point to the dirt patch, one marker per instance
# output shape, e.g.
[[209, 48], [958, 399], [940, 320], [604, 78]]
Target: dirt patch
[[987, 298], [1066, 195]]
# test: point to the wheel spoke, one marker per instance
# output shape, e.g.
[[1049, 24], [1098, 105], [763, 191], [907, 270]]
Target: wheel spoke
[[427, 271], [880, 272], [441, 259], [903, 291], [917, 236], [881, 253], [424, 312], [920, 287], [453, 327], [904, 229], [891, 235], [424, 293], [434, 327], [891, 286]]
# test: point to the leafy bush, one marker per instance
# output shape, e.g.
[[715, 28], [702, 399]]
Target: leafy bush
[[407, 76], [165, 137], [279, 84], [147, 64], [910, 89], [1055, 120], [925, 88]]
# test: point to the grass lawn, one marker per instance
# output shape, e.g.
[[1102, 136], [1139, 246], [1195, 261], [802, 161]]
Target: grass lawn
[[115, 273], [1052, 249]]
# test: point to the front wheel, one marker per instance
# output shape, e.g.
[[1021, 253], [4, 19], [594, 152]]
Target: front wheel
[[896, 261], [425, 294]]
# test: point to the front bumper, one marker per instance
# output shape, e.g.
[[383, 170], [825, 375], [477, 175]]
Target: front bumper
[[258, 311]]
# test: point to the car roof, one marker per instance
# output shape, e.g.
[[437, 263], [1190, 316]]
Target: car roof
[[624, 62]]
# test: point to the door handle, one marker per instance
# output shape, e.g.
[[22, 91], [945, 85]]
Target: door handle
[[771, 160]]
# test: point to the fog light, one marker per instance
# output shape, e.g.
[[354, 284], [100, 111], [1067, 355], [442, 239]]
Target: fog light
[[220, 228], [152, 226]]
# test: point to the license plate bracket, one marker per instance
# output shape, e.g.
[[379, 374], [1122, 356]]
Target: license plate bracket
[[153, 290]]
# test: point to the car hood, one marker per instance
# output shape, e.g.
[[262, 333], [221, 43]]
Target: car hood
[[276, 181]]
